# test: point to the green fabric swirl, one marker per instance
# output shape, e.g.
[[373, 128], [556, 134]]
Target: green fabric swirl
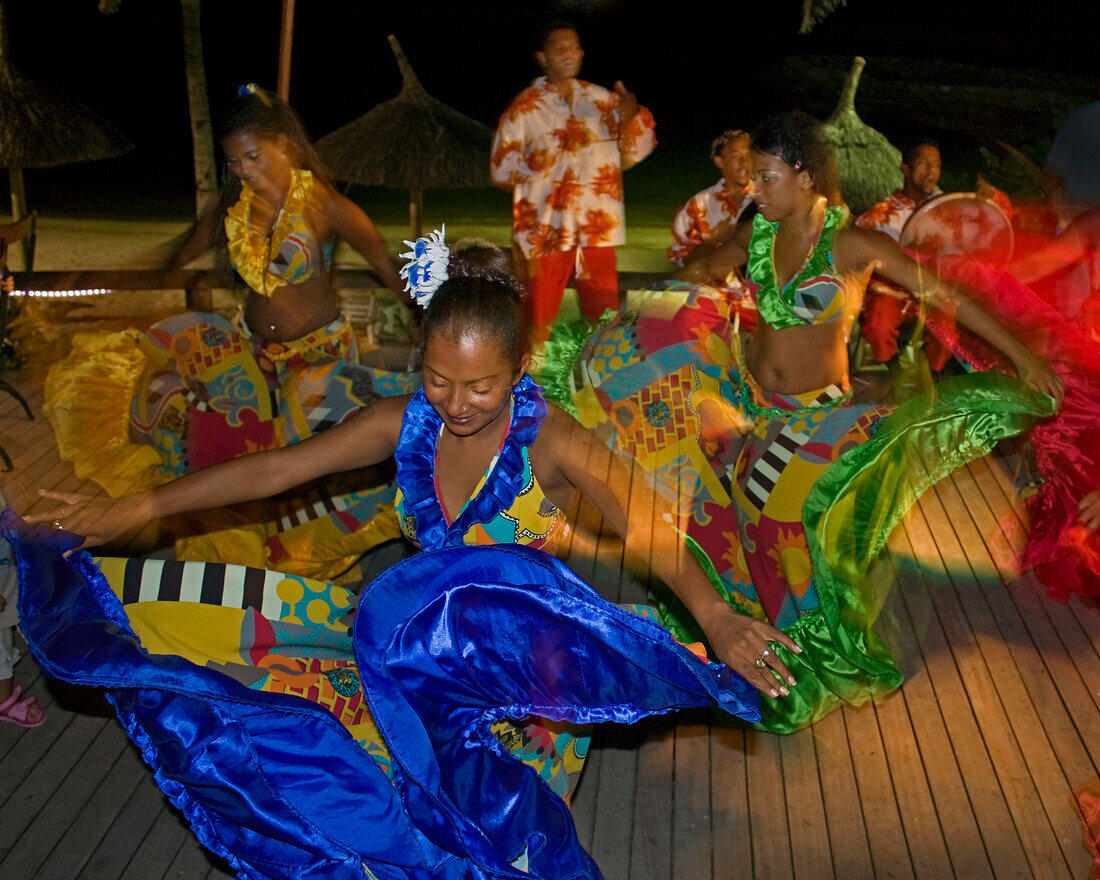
[[849, 513], [774, 305]]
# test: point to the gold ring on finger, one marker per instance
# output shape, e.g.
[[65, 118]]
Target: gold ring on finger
[[759, 663]]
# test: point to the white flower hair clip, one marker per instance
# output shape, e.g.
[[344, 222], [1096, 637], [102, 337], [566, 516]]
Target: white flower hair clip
[[427, 266]]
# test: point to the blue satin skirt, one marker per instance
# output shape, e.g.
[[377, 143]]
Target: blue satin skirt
[[447, 643]]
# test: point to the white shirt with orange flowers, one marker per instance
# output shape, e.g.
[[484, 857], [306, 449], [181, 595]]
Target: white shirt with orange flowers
[[696, 220], [564, 162]]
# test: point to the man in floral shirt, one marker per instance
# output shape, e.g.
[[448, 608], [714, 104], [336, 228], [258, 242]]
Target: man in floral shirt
[[706, 222], [561, 147], [886, 307]]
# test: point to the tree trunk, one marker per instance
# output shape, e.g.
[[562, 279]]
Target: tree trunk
[[416, 212], [15, 175], [202, 134], [286, 41]]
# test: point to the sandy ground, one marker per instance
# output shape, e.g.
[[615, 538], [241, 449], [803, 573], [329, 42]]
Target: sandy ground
[[45, 328], [77, 243]]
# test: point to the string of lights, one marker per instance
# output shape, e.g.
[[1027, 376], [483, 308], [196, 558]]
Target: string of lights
[[91, 291]]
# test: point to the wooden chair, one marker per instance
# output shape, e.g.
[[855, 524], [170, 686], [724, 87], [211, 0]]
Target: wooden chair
[[22, 230]]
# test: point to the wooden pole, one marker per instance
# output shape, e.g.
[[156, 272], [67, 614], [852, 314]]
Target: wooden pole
[[286, 40], [416, 211], [202, 130]]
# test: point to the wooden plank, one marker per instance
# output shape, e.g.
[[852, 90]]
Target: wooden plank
[[1000, 533], [950, 656], [927, 850], [771, 838], [1069, 630], [84, 834], [159, 846], [731, 829], [889, 850], [811, 855], [1040, 654], [193, 861], [650, 853], [41, 835], [128, 829], [848, 832], [989, 674], [1046, 733], [34, 744], [611, 795], [29, 798], [691, 818], [937, 761]]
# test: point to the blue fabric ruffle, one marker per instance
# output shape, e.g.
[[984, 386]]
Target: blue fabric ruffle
[[448, 642], [415, 458]]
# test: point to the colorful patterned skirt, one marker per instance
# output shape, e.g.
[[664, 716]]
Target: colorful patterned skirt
[[287, 634], [786, 498], [294, 748], [200, 390]]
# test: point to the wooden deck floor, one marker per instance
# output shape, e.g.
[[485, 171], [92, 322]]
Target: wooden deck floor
[[965, 772]]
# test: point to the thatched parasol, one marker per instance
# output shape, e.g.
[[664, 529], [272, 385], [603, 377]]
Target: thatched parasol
[[813, 11], [869, 165], [42, 128], [413, 141]]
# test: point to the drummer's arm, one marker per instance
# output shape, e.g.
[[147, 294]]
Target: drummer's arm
[[858, 248], [715, 268]]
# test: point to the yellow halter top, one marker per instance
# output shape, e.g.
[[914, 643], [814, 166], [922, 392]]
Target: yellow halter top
[[290, 253]]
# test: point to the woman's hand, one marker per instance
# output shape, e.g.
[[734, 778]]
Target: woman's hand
[[1088, 511], [1038, 374], [97, 520], [742, 643]]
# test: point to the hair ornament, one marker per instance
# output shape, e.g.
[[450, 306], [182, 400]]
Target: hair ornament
[[427, 266], [253, 89]]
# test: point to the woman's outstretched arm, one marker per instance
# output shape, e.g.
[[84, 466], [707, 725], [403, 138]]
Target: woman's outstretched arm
[[352, 224], [646, 523], [857, 248], [366, 439]]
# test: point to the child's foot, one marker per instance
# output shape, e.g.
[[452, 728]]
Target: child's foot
[[25, 712]]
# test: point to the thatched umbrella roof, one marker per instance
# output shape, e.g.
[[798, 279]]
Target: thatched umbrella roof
[[869, 165], [42, 128], [413, 141], [813, 11]]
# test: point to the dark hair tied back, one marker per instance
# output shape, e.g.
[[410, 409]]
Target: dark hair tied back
[[795, 138], [481, 298]]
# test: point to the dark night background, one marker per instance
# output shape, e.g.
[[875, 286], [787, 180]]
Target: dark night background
[[700, 66]]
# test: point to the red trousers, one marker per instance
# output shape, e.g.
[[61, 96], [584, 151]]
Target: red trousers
[[597, 282], [880, 320]]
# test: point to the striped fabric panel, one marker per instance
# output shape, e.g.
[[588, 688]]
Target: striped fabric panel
[[211, 583], [767, 468]]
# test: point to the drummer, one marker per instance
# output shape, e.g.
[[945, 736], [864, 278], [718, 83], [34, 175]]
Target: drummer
[[708, 219], [886, 307]]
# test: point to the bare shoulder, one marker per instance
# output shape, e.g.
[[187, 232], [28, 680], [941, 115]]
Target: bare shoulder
[[324, 199], [564, 442], [556, 430], [854, 246]]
